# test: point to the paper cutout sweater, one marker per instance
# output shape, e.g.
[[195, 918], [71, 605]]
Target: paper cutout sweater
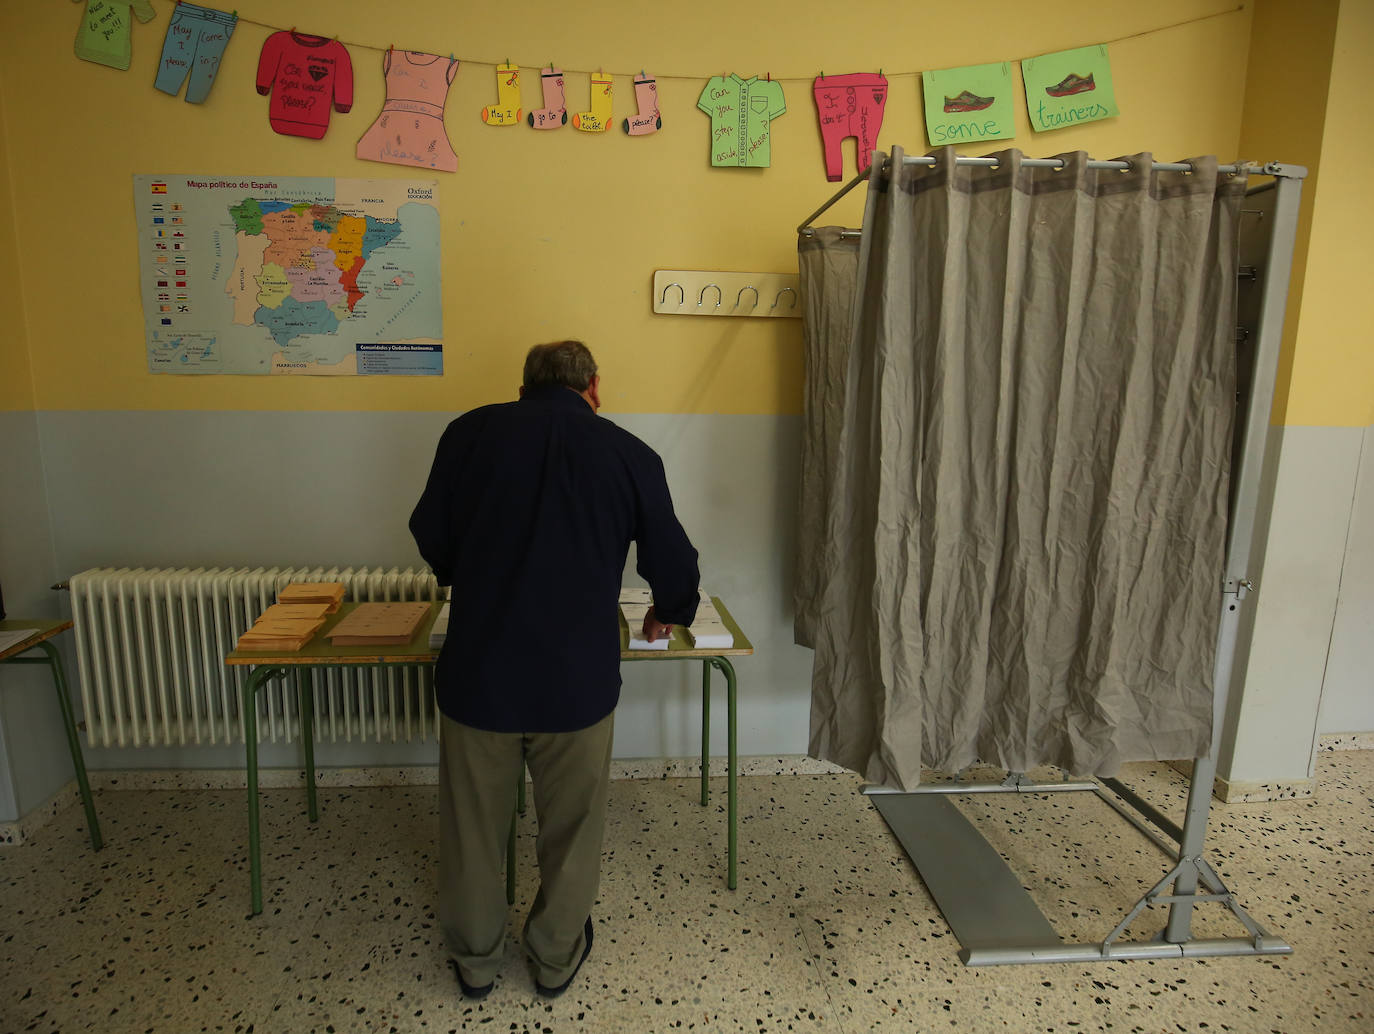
[[304, 74], [741, 111], [410, 129], [104, 35]]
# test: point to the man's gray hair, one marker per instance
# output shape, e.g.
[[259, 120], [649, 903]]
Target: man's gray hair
[[568, 363]]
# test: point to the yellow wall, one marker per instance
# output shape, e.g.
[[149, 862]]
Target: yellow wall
[[544, 235], [1290, 44], [1332, 380], [16, 379]]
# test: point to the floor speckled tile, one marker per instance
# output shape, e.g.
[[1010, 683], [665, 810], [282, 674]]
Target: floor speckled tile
[[830, 929]]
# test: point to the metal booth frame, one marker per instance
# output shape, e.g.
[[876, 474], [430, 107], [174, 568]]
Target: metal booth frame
[[990, 913]]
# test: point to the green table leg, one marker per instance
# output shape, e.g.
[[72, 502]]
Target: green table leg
[[307, 698], [705, 730], [54, 661], [250, 748], [732, 774]]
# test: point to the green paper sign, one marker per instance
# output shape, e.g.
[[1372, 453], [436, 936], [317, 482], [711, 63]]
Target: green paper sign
[[1069, 87], [965, 105]]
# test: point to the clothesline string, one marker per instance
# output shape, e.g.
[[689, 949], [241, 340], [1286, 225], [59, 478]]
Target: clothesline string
[[700, 76]]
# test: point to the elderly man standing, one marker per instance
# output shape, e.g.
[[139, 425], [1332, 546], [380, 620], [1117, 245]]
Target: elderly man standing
[[528, 514]]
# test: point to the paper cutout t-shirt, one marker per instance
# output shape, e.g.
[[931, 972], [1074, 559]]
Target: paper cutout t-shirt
[[304, 74], [104, 35], [741, 111]]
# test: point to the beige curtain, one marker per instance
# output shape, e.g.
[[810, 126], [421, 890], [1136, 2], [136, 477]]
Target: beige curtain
[[1020, 558], [828, 264]]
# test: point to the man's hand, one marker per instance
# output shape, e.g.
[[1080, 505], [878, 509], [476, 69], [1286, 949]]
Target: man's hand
[[655, 629]]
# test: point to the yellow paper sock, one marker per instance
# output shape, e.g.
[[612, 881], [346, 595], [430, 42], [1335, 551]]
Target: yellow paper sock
[[598, 120], [506, 111]]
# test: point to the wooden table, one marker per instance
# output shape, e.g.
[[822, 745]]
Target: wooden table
[[42, 631], [320, 653]]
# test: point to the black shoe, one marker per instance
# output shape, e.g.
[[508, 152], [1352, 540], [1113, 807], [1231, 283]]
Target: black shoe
[[554, 992], [475, 993]]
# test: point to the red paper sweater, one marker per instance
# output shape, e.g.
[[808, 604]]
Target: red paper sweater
[[304, 74]]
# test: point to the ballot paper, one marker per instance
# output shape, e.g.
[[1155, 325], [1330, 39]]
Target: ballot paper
[[707, 630], [438, 632], [14, 637], [634, 619]]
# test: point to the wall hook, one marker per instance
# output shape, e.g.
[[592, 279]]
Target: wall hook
[[681, 294], [718, 296], [785, 290], [747, 287]]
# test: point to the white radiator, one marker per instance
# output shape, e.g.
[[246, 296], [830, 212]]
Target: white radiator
[[151, 642]]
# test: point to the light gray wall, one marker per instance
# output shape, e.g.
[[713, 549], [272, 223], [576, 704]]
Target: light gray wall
[[1348, 688], [1305, 633], [176, 488], [34, 762]]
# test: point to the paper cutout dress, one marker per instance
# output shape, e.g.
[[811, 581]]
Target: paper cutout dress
[[304, 74], [410, 128], [741, 111], [849, 105], [105, 33]]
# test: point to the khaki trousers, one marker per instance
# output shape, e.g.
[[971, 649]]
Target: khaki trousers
[[478, 772]]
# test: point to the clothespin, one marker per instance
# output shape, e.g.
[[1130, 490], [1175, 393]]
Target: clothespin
[[769, 76]]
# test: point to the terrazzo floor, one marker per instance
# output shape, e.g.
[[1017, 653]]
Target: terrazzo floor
[[829, 930]]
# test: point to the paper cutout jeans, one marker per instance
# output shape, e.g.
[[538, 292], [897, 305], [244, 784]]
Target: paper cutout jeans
[[195, 42]]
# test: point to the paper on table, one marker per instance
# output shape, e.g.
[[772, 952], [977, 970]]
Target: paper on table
[[634, 619], [379, 624], [438, 632], [14, 636]]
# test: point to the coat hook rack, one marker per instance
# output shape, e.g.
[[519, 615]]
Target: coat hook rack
[[702, 282]]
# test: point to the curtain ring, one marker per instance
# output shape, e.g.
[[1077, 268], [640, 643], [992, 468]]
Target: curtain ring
[[785, 290], [681, 294], [702, 296], [747, 287]]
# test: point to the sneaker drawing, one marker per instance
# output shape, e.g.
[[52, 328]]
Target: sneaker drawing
[[968, 102], [1070, 85]]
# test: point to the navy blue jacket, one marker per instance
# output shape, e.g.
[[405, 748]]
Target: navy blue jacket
[[529, 513]]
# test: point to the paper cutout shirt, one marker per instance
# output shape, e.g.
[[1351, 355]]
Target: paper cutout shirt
[[105, 33], [304, 74], [741, 111], [410, 129]]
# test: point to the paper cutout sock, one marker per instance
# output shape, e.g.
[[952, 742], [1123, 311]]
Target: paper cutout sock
[[646, 99], [304, 73], [105, 33], [554, 113], [410, 129], [506, 111], [849, 105], [598, 120], [195, 43]]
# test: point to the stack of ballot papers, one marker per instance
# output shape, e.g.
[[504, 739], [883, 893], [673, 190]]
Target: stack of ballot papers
[[329, 593], [634, 619], [438, 632], [379, 624], [284, 627], [707, 630]]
